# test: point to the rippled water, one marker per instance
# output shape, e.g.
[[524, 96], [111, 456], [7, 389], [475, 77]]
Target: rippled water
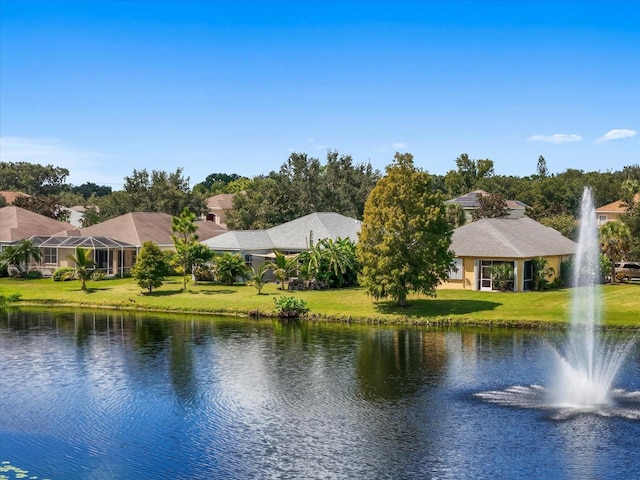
[[87, 395]]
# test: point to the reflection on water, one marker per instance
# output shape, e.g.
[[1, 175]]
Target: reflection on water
[[120, 395]]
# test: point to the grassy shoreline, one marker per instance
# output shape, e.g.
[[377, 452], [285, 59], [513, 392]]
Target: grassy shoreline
[[551, 309]]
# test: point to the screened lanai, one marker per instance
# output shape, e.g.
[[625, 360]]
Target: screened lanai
[[110, 256]]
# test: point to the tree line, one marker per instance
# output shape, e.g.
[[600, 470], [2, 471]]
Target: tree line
[[304, 184]]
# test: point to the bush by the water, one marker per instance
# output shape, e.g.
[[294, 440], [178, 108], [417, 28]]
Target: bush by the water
[[290, 307]]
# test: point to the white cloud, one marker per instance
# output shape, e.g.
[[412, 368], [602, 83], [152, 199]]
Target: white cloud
[[616, 134], [556, 138], [84, 166], [399, 146]]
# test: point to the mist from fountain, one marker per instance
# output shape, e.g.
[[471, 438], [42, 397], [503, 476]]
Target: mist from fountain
[[587, 364]]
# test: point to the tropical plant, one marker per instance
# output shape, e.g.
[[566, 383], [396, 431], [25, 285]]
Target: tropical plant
[[20, 256], [290, 307], [405, 236], [615, 241], [229, 267], [542, 272], [83, 266], [502, 276], [258, 279], [283, 267], [151, 267], [7, 300]]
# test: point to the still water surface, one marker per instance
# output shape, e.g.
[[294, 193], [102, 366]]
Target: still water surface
[[95, 395]]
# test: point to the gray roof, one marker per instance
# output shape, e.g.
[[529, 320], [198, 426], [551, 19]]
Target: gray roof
[[291, 236], [471, 201], [509, 238]]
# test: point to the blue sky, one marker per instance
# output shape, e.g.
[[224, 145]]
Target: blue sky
[[102, 88]]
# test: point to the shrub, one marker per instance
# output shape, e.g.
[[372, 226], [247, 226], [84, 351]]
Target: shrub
[[290, 307], [99, 276], [5, 300], [204, 273], [34, 274], [62, 274]]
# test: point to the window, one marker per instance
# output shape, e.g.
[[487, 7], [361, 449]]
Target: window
[[456, 272], [602, 219], [50, 255]]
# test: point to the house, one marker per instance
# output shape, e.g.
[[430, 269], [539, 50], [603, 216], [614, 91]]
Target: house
[[10, 196], [115, 243], [18, 224], [110, 256], [479, 245], [290, 237], [138, 227], [218, 206], [56, 240], [612, 211], [470, 202]]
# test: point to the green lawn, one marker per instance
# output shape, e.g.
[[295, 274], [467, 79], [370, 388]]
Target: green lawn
[[622, 302]]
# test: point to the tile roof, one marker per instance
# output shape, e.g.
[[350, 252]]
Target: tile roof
[[222, 201], [616, 207], [11, 196], [17, 224], [509, 238], [290, 236], [138, 227]]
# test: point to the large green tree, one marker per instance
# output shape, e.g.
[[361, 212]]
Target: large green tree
[[405, 237], [185, 240], [157, 191], [469, 172], [32, 178], [151, 267], [304, 185], [46, 205]]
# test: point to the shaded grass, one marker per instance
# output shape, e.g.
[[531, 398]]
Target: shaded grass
[[552, 308]]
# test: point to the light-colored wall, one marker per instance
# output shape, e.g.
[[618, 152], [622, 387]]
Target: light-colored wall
[[469, 281]]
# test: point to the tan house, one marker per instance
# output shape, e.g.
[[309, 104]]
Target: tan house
[[611, 211], [18, 224], [114, 243], [218, 207], [480, 245], [55, 244]]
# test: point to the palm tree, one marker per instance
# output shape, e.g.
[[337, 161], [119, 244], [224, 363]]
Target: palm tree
[[283, 267], [615, 241], [228, 267], [20, 255], [258, 280], [83, 265]]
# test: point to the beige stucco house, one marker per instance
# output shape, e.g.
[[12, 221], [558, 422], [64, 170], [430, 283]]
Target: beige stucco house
[[611, 211], [479, 245]]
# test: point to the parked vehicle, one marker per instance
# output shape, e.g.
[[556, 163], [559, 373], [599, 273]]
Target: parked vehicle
[[627, 271]]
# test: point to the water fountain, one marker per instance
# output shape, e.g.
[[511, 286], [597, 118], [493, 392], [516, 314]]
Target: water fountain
[[587, 364]]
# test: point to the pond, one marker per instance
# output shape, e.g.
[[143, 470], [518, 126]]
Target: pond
[[102, 395]]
